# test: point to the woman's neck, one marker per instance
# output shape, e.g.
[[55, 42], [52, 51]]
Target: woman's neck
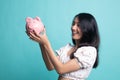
[[77, 42]]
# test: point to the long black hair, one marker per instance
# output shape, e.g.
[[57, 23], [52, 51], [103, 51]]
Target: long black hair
[[90, 33]]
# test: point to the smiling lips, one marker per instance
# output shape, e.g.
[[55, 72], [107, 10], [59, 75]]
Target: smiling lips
[[74, 32]]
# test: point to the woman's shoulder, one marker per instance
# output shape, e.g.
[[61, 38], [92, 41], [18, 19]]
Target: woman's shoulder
[[64, 48], [87, 49]]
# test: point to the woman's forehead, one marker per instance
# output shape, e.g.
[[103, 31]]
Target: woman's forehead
[[76, 20]]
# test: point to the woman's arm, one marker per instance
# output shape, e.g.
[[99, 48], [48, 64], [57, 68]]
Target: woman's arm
[[61, 68], [46, 58]]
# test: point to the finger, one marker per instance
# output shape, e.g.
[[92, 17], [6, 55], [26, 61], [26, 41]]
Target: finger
[[32, 39], [33, 36], [36, 34]]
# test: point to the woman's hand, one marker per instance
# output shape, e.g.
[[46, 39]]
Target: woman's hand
[[40, 38]]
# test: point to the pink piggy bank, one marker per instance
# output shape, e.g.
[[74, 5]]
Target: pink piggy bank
[[34, 24]]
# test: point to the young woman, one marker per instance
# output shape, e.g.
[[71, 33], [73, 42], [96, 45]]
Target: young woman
[[74, 62]]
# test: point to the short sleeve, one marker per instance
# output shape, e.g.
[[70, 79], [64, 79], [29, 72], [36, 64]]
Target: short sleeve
[[60, 51], [63, 49], [86, 56]]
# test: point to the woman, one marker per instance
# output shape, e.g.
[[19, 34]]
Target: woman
[[74, 62]]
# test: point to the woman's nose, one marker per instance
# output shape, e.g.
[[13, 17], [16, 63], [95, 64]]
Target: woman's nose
[[74, 27]]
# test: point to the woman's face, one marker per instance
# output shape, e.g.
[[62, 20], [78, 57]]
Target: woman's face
[[76, 31]]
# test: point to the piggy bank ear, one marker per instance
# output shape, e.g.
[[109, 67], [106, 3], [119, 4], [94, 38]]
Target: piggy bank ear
[[37, 18], [28, 19]]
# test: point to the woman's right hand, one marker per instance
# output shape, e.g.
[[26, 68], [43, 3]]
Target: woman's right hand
[[40, 38]]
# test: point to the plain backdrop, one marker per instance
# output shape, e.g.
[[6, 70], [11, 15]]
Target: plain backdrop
[[21, 59]]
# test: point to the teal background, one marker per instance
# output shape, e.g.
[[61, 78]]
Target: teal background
[[20, 58]]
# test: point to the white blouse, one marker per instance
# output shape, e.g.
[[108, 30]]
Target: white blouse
[[86, 57]]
